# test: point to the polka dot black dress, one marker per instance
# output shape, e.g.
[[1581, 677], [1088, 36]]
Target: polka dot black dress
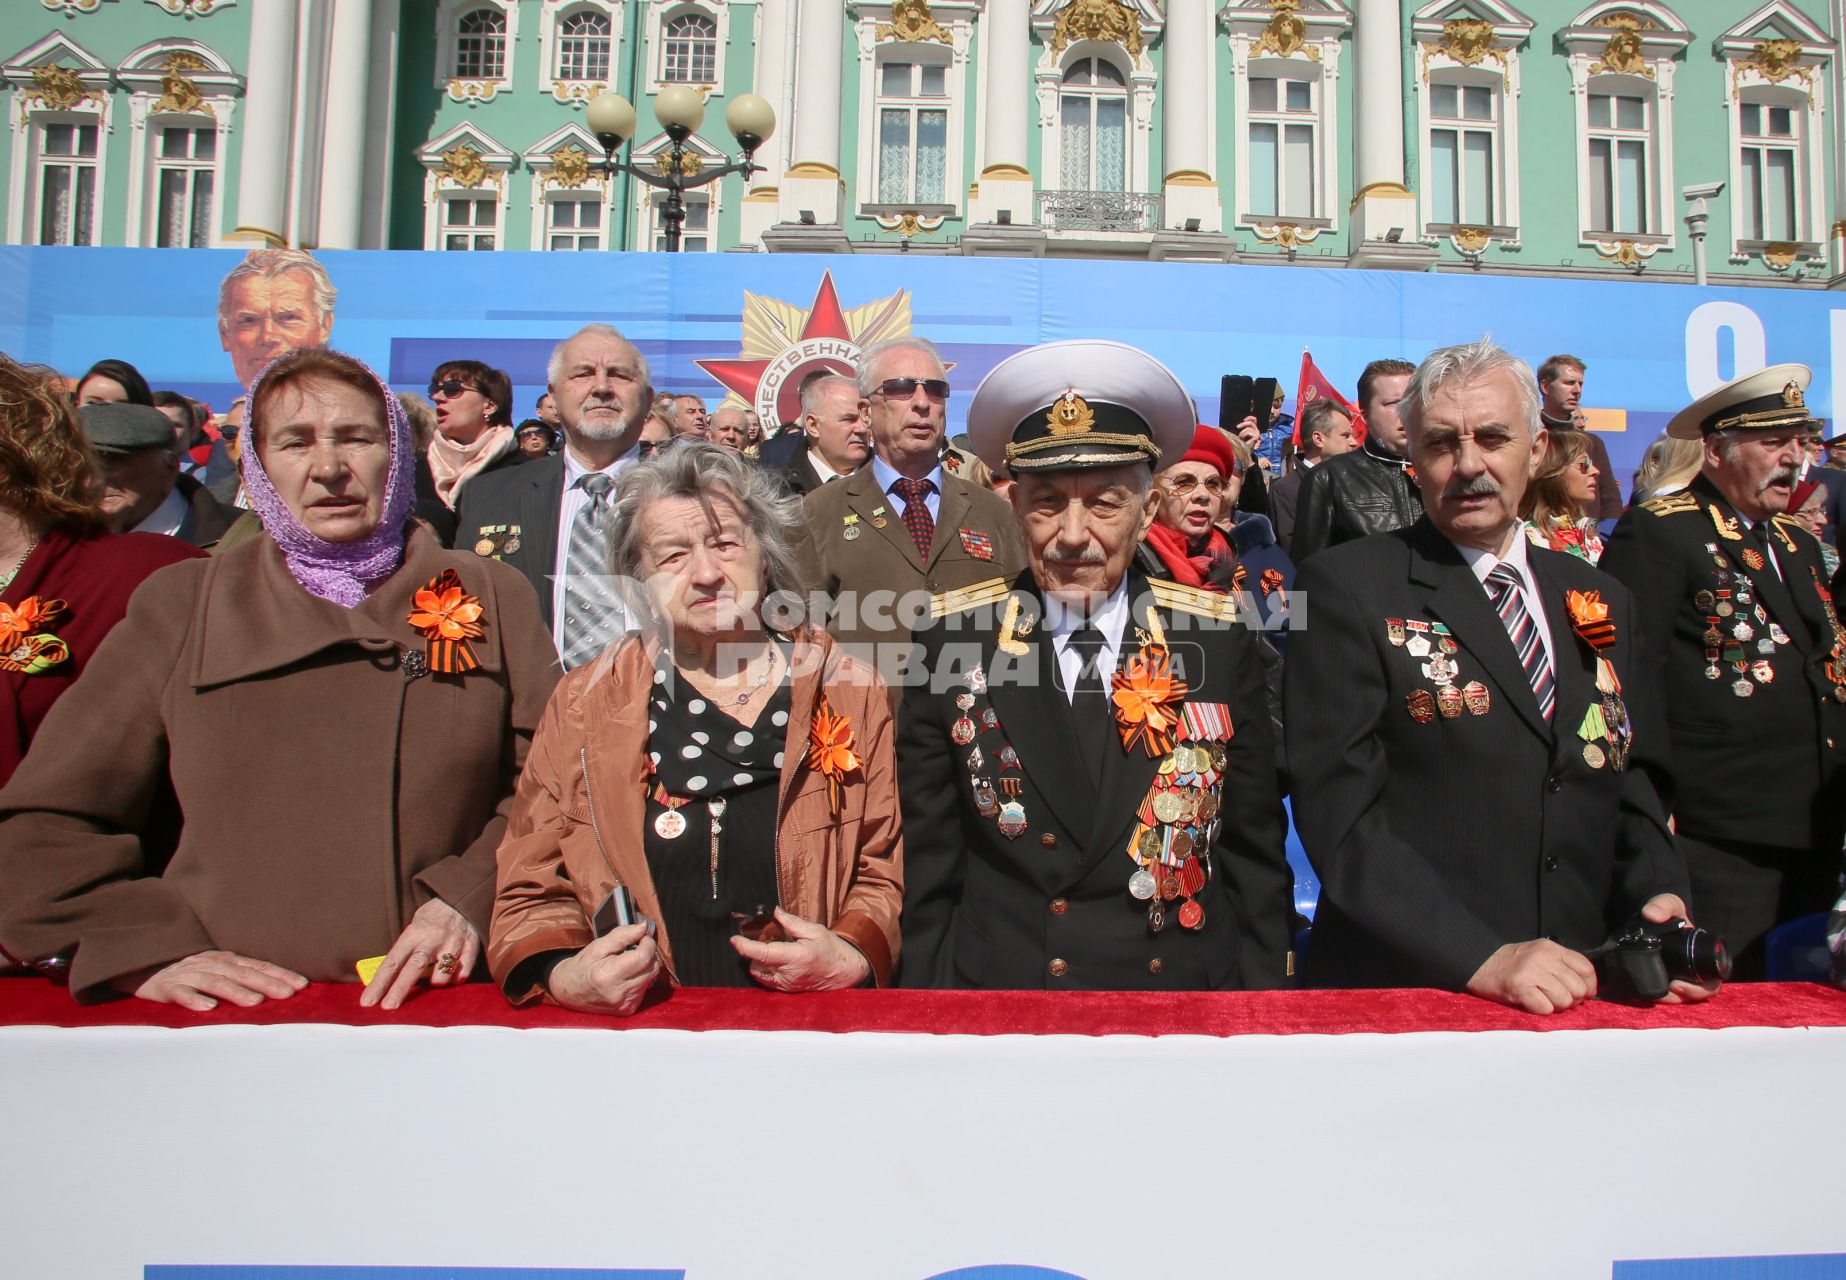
[[709, 771]]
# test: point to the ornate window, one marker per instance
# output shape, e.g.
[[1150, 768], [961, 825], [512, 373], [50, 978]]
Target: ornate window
[[1281, 127], [574, 222], [185, 178], [570, 196], [1621, 161], [1093, 127], [1777, 62], [1622, 60], [1467, 95], [583, 47], [480, 45], [913, 132], [690, 53], [695, 233], [67, 153], [1464, 147], [470, 222], [464, 190]]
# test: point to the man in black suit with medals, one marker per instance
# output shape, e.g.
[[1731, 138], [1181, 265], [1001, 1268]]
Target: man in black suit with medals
[[1737, 631], [1089, 775], [546, 518], [1473, 755]]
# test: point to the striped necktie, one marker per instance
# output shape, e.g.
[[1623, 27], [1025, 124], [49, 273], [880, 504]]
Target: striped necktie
[[1503, 587], [593, 614]]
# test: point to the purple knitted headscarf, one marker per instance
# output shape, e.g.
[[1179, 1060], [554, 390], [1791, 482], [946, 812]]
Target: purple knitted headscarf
[[335, 571]]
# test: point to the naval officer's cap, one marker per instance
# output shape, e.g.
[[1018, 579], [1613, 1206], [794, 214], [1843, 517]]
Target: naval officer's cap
[[1077, 405]]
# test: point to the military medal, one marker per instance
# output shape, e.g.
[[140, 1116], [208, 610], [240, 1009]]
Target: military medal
[[964, 701], [1167, 807], [1417, 646], [1753, 558], [1449, 701], [1777, 634], [1444, 641], [984, 798], [1762, 670], [1703, 601], [961, 733], [988, 719], [1009, 758], [878, 517], [1156, 915], [485, 547], [1422, 706], [1742, 688], [1191, 915], [976, 680], [1012, 819], [670, 825], [1440, 669], [1475, 695], [1142, 884], [1394, 631], [975, 760], [852, 530], [1592, 755]]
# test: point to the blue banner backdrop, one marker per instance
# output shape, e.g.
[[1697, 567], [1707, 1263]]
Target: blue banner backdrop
[[752, 324]]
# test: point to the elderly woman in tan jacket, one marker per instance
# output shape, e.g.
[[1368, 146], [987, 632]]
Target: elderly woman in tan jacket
[[293, 757], [728, 788]]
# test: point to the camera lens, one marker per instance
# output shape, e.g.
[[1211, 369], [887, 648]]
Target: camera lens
[[1699, 955]]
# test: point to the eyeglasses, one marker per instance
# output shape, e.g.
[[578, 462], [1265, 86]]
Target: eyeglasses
[[1183, 485], [450, 388], [534, 433], [904, 388], [754, 924], [1585, 465], [647, 448]]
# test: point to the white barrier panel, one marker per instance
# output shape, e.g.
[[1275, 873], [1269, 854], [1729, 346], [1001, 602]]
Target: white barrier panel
[[800, 1156]]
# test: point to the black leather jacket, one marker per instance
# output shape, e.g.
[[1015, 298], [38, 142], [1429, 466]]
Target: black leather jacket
[[1353, 496]]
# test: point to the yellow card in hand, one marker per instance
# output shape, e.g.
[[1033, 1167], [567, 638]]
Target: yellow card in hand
[[368, 969]]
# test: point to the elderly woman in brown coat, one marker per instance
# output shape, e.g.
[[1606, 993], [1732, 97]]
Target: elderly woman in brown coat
[[734, 782], [295, 756]]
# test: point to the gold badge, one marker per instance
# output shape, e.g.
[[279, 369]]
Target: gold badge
[[1791, 397], [1070, 416]]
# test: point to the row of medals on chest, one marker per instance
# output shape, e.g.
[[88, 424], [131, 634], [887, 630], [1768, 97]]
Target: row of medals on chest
[[1174, 829], [1009, 815], [1729, 608], [1431, 645]]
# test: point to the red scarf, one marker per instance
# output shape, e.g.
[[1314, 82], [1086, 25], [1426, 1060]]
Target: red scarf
[[1190, 565]]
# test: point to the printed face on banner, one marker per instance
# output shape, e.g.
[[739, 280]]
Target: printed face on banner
[[274, 302]]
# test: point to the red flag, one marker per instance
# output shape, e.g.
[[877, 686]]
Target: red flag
[[1314, 386]]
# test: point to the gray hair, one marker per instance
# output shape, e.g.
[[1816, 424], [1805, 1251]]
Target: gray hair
[[694, 469], [1314, 417], [742, 416], [869, 358], [812, 393], [1469, 362], [267, 264], [554, 367]]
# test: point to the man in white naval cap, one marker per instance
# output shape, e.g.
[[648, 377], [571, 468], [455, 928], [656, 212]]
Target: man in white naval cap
[[1736, 627], [1090, 795]]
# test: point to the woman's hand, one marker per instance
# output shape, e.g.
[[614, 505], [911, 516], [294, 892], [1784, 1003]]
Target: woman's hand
[[814, 959], [610, 976], [200, 981], [438, 941]]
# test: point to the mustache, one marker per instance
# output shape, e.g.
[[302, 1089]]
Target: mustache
[[1780, 476], [1482, 486], [1086, 555]]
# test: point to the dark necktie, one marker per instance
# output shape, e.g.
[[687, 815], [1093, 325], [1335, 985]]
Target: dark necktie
[[1089, 704], [917, 519], [1759, 534], [1503, 586]]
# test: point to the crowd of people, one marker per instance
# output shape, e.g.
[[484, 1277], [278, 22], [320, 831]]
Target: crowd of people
[[633, 694]]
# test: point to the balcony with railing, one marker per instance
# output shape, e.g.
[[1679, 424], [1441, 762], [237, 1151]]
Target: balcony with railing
[[1098, 211]]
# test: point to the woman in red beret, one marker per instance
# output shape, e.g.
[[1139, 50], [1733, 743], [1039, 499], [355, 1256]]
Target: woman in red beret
[[1192, 493]]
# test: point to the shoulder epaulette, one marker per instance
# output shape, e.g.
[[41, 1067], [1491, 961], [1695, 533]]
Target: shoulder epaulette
[[962, 599], [1671, 504], [1194, 600]]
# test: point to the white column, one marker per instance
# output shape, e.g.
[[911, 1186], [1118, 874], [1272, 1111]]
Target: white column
[[268, 124], [342, 194], [769, 82], [812, 180], [1006, 107], [380, 125], [1190, 188], [1378, 132]]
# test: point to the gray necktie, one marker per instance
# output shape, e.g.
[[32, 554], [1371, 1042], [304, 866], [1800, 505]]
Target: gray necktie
[[593, 614]]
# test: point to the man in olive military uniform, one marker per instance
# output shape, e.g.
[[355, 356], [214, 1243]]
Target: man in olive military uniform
[[1737, 627], [1090, 796], [900, 529]]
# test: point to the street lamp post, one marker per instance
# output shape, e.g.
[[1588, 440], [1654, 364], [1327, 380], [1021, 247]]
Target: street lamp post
[[681, 111]]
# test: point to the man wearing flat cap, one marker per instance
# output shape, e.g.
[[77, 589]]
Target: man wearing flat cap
[[1090, 796], [1473, 753], [143, 490], [1737, 630]]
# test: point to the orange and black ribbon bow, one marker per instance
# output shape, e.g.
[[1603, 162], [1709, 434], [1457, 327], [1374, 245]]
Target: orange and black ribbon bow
[[448, 619]]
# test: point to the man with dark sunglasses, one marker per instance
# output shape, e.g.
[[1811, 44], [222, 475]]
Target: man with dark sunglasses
[[901, 526]]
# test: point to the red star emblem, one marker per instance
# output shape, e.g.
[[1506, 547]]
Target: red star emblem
[[744, 378]]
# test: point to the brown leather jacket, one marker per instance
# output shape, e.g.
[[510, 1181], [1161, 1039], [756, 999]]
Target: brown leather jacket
[[576, 820]]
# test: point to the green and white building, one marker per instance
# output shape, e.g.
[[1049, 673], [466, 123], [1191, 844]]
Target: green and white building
[[1451, 135]]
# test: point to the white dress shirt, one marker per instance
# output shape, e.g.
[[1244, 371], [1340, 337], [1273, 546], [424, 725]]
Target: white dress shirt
[[1485, 562], [1111, 619], [572, 503], [165, 518], [818, 465]]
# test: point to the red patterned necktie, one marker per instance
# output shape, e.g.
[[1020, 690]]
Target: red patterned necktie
[[917, 519]]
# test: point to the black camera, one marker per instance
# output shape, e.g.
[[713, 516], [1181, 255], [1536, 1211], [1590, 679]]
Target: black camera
[[1642, 960]]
